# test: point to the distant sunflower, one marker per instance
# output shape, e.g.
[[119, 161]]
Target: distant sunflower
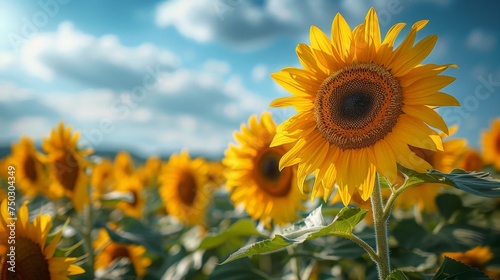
[[215, 174], [424, 195], [123, 165], [34, 257], [477, 257], [254, 179], [490, 142], [102, 178], [109, 252], [149, 172], [30, 172], [183, 188], [134, 187], [359, 104], [471, 161], [67, 166]]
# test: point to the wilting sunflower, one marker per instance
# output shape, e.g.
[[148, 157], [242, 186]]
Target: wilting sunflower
[[360, 102], [424, 195], [477, 257], [67, 166], [34, 258], [184, 188], [30, 172], [490, 141], [471, 161], [110, 252], [253, 176], [135, 206]]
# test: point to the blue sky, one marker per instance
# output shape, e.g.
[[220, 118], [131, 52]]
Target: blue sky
[[155, 77]]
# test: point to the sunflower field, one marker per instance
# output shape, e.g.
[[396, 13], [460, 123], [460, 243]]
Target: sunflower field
[[364, 181]]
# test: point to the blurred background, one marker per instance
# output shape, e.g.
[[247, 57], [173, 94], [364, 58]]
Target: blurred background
[[154, 77]]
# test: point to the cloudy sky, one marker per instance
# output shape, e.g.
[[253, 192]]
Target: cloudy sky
[[160, 76]]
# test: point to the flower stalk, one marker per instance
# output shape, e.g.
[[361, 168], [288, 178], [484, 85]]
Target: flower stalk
[[381, 235]]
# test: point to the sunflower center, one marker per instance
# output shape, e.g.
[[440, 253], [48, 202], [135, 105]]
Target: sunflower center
[[358, 105], [187, 188], [30, 262], [29, 168], [67, 169], [119, 252], [269, 177]]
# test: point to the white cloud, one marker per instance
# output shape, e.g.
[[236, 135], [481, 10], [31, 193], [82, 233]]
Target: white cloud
[[100, 62], [10, 92], [33, 127], [481, 41], [6, 60], [259, 72], [216, 66], [244, 24]]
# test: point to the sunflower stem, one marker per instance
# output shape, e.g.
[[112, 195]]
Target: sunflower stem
[[381, 234], [295, 265], [88, 223]]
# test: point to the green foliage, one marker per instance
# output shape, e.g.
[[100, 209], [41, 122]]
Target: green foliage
[[452, 269], [312, 227]]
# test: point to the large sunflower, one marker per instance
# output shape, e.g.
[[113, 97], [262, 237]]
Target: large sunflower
[[490, 141], [67, 166], [360, 102], [184, 188], [30, 172], [109, 252], [253, 176], [34, 258]]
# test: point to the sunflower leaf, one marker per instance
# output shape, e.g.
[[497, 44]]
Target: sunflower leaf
[[240, 228], [476, 183], [310, 228], [452, 269]]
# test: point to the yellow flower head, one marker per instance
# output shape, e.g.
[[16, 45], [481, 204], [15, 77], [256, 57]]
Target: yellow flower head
[[360, 103], [30, 172], [34, 257], [102, 178], [184, 188], [67, 166], [124, 165], [134, 187], [109, 252], [490, 141], [254, 179], [149, 172], [471, 161]]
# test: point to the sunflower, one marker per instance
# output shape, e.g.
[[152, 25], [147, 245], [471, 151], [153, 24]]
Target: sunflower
[[490, 141], [34, 257], [253, 176], [215, 174], [477, 257], [359, 104], [471, 161], [148, 173], [110, 252], [30, 172], [67, 166], [124, 165], [102, 178], [424, 195], [134, 187], [184, 188]]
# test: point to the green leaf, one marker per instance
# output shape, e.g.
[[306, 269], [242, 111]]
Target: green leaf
[[310, 228], [241, 269], [476, 183], [452, 269], [241, 228], [397, 275]]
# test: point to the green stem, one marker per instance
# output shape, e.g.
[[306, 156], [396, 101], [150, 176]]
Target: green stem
[[87, 224], [381, 234], [362, 244], [295, 263]]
